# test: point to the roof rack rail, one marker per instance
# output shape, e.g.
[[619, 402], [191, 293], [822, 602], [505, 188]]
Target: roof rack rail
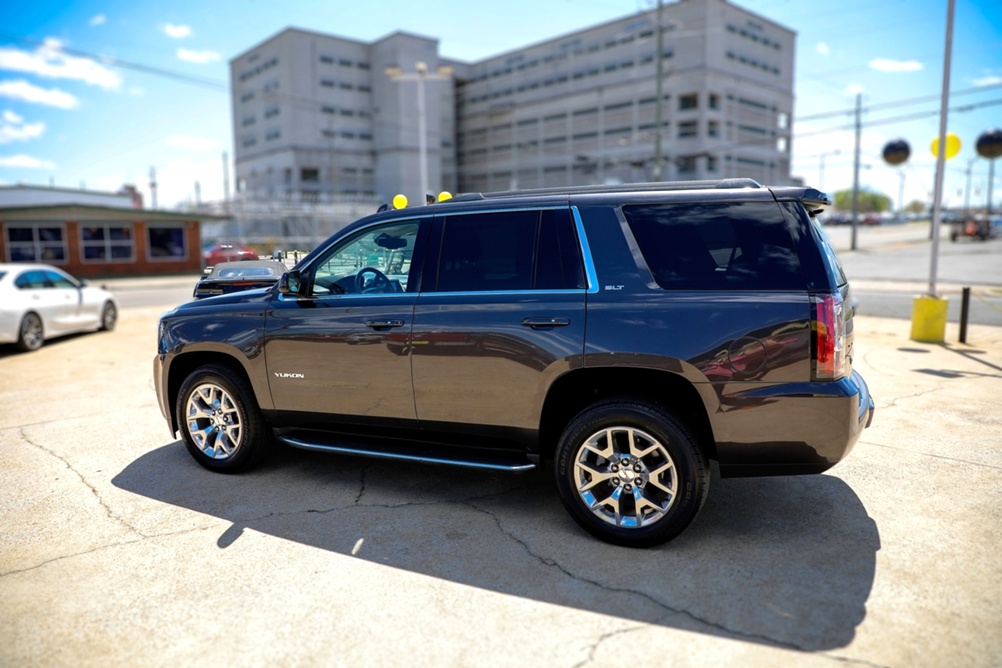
[[626, 187]]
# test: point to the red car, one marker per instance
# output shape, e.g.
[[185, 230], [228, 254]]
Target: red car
[[213, 254]]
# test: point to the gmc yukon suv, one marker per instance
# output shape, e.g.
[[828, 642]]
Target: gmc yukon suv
[[628, 335]]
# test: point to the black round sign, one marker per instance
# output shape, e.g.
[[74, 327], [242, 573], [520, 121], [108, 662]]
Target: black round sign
[[990, 144], [896, 151]]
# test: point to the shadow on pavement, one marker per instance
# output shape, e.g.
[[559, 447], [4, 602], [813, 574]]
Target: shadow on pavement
[[785, 562]]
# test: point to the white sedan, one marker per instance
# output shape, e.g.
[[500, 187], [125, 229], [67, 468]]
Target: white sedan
[[39, 302]]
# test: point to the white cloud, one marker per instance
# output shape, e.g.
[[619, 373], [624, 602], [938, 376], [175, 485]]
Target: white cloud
[[854, 89], [13, 128], [988, 80], [176, 32], [28, 92], [98, 20], [26, 162], [895, 66], [823, 49], [200, 57], [193, 143], [50, 61]]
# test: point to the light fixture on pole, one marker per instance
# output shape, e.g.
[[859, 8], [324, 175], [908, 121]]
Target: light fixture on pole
[[420, 76]]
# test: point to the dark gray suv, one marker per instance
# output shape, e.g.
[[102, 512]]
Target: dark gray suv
[[628, 335]]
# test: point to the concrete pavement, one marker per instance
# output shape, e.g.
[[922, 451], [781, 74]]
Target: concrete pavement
[[116, 549]]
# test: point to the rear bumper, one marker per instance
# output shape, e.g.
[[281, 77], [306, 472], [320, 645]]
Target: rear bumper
[[813, 426]]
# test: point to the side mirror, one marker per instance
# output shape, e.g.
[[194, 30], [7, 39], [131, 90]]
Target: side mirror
[[290, 283]]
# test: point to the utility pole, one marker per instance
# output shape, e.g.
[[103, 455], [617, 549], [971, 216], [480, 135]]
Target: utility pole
[[153, 187], [941, 153], [226, 177], [658, 93], [855, 174]]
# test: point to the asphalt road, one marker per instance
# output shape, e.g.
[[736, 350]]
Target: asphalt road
[[892, 265], [116, 549]]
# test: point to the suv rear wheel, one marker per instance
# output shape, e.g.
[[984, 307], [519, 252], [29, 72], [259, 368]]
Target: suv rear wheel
[[631, 474], [221, 425]]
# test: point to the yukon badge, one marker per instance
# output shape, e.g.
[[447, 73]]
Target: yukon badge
[[279, 374]]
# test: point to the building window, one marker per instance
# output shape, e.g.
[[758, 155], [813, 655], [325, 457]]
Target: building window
[[714, 101], [687, 129], [166, 243], [309, 175], [36, 243], [690, 101], [106, 243], [713, 128]]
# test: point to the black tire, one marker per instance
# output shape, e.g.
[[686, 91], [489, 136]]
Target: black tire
[[109, 317], [31, 333], [646, 494], [220, 422]]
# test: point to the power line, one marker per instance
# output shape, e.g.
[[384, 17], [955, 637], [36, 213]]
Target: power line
[[898, 103]]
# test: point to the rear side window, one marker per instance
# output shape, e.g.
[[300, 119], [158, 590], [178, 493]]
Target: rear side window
[[716, 246], [509, 251]]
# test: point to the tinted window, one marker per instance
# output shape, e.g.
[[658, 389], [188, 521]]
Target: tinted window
[[488, 252], [558, 258], [520, 250], [736, 245], [58, 280], [31, 280]]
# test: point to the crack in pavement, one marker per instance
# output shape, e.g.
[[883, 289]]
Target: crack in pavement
[[142, 538], [720, 628], [97, 495], [931, 454]]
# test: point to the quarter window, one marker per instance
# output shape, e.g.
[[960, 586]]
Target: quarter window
[[736, 245]]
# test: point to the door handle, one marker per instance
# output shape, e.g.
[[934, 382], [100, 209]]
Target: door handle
[[383, 325], [545, 322]]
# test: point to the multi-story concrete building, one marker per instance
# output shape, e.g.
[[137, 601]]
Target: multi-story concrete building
[[315, 113]]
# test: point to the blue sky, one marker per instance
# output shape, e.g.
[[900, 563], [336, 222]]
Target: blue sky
[[71, 114]]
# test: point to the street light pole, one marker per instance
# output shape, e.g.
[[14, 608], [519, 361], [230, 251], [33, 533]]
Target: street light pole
[[821, 172], [420, 76], [422, 72], [658, 92]]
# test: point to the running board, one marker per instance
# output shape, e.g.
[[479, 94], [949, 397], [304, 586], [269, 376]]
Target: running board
[[492, 461]]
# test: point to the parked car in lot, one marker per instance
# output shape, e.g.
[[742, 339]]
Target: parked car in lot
[[227, 277], [213, 254], [719, 327], [39, 302]]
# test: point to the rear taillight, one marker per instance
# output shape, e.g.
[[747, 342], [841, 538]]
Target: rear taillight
[[829, 345]]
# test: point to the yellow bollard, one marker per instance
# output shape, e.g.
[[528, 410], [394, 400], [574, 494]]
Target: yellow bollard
[[929, 319]]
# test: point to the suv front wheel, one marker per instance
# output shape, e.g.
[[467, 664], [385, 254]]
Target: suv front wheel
[[221, 424], [630, 474]]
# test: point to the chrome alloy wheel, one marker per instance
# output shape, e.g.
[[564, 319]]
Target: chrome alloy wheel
[[32, 336], [625, 477], [213, 421]]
